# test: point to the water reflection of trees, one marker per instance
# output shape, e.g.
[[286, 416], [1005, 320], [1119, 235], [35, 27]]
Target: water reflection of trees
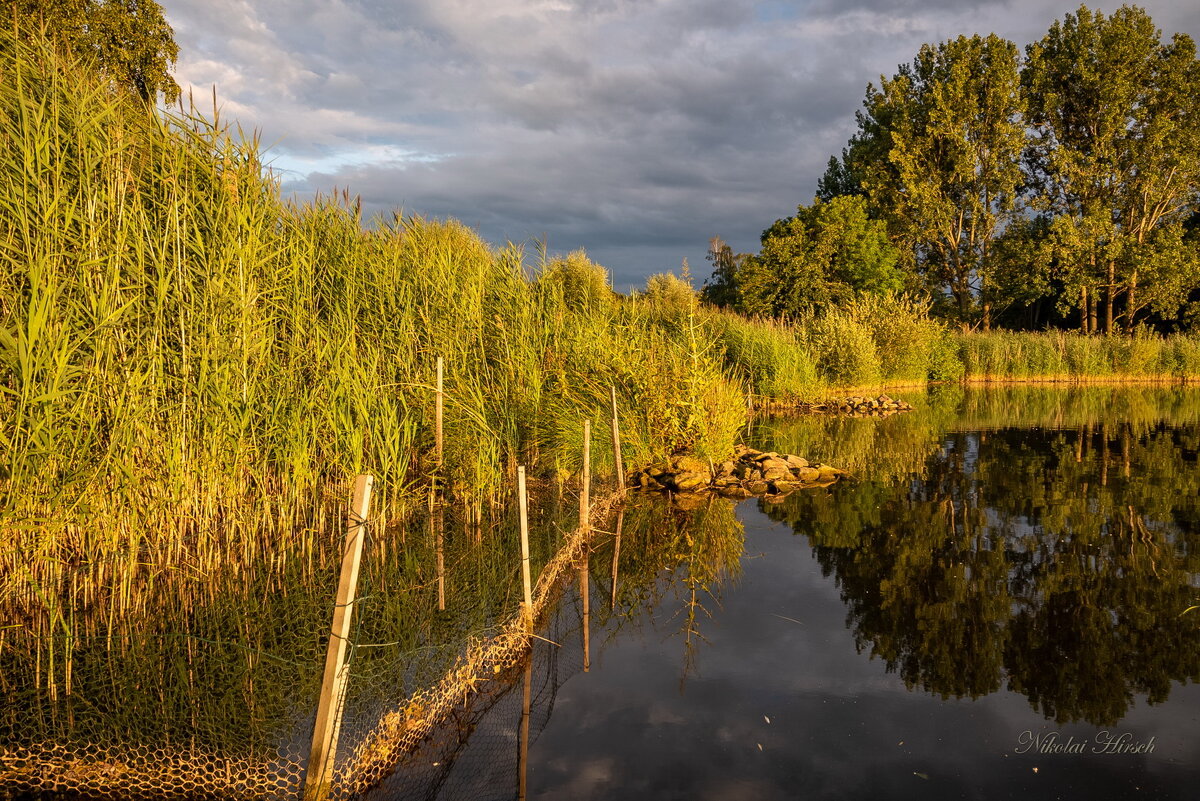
[[1056, 561]]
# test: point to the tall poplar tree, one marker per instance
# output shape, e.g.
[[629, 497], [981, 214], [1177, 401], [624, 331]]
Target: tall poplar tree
[[1115, 157], [938, 153]]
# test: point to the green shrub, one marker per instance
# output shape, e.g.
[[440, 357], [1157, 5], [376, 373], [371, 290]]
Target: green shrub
[[844, 350], [904, 336]]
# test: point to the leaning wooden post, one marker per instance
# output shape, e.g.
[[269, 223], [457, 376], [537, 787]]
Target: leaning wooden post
[[616, 438], [318, 777], [585, 500], [523, 504]]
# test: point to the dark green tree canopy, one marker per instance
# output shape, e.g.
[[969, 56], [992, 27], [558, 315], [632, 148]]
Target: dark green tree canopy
[[1115, 155], [939, 154], [128, 40], [828, 252], [1064, 182]]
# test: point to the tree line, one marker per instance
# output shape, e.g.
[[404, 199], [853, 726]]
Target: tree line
[[1056, 188]]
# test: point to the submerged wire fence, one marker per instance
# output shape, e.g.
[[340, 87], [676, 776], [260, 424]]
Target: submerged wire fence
[[213, 695]]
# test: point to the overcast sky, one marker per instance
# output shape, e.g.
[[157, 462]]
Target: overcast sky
[[635, 129]]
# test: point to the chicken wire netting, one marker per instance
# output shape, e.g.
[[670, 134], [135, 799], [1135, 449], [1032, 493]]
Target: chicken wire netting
[[210, 690]]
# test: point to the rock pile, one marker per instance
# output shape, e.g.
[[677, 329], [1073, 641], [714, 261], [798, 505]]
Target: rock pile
[[881, 406], [750, 472]]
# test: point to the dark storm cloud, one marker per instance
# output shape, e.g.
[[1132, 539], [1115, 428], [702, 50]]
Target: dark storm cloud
[[634, 128]]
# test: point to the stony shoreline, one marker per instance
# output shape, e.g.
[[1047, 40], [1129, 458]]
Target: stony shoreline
[[854, 406], [750, 472]]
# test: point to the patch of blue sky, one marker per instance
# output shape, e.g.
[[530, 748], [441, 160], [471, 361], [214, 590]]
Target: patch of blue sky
[[330, 160]]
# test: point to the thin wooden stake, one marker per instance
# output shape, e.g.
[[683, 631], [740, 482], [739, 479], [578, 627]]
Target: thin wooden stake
[[438, 452], [523, 503], [619, 466], [319, 775], [585, 500]]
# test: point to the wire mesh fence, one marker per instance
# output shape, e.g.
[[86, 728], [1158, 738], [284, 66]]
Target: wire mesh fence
[[212, 693]]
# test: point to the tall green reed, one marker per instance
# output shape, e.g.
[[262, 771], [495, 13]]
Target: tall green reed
[[191, 369]]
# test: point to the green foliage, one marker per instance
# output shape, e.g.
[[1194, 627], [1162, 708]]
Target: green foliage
[[945, 360], [766, 355], [129, 41], [1115, 115], [844, 349], [904, 336], [828, 253], [938, 154], [1098, 130]]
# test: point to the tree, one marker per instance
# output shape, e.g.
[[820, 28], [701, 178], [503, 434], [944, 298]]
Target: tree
[[938, 153], [128, 40], [721, 288], [839, 178], [1115, 156], [828, 252]]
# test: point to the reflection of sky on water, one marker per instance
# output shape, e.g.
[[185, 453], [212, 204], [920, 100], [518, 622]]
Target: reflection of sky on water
[[839, 725]]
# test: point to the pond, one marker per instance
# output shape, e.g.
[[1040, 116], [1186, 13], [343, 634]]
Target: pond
[[993, 605], [993, 608]]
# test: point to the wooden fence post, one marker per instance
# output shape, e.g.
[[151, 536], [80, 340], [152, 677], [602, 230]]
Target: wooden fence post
[[616, 442], [318, 777], [438, 453], [523, 755], [523, 504], [585, 499]]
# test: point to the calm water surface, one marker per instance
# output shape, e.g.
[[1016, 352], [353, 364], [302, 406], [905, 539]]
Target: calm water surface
[[992, 609], [997, 592]]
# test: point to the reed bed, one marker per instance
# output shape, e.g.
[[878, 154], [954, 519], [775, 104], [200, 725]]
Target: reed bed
[[1076, 358], [192, 367]]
